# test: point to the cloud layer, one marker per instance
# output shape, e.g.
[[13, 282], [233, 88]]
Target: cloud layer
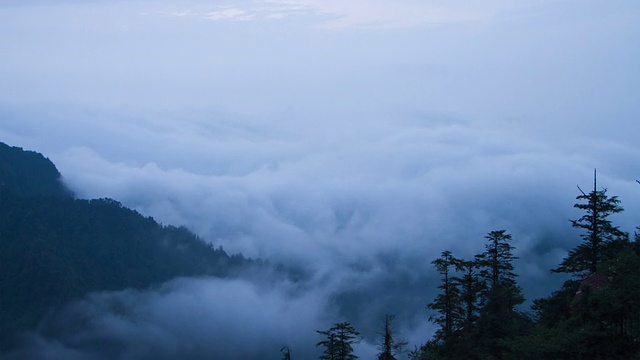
[[186, 318], [362, 212]]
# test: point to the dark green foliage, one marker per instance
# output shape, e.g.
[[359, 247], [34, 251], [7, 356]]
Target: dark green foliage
[[389, 346], [447, 303], [599, 234], [496, 263], [54, 248], [476, 306], [498, 319], [605, 312], [338, 341], [470, 287], [556, 308], [621, 299], [597, 317], [598, 321], [57, 249], [429, 351], [28, 173]]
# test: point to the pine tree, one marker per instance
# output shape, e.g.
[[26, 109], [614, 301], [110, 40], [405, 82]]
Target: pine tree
[[470, 287], [390, 346], [498, 318], [599, 234], [338, 342], [330, 345], [447, 303], [496, 262], [598, 316]]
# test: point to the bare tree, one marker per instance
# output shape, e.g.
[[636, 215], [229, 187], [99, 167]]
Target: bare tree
[[389, 346]]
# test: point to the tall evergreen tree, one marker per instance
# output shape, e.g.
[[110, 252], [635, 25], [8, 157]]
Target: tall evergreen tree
[[470, 287], [338, 341], [597, 316], [447, 302], [599, 233], [498, 318], [496, 263]]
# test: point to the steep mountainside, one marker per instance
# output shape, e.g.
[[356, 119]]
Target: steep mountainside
[[54, 248]]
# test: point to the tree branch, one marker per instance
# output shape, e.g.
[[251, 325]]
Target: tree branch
[[581, 190]]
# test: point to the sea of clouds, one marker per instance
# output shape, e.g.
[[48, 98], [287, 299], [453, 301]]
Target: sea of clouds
[[361, 207]]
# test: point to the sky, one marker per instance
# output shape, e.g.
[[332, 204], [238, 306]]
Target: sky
[[353, 139]]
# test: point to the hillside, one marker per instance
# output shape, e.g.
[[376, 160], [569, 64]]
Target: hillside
[[55, 248]]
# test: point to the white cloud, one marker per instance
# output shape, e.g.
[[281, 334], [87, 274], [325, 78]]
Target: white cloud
[[228, 14], [237, 11], [330, 200], [337, 14]]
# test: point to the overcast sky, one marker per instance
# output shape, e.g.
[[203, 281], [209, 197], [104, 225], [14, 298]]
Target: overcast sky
[[356, 138]]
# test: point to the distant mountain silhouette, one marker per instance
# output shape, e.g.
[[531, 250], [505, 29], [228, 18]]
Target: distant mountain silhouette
[[55, 248]]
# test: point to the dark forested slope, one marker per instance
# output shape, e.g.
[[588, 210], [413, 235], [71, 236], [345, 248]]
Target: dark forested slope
[[594, 315], [54, 248], [28, 173]]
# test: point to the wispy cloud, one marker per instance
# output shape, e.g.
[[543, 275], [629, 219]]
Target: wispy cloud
[[238, 11], [337, 14], [229, 14], [180, 14]]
